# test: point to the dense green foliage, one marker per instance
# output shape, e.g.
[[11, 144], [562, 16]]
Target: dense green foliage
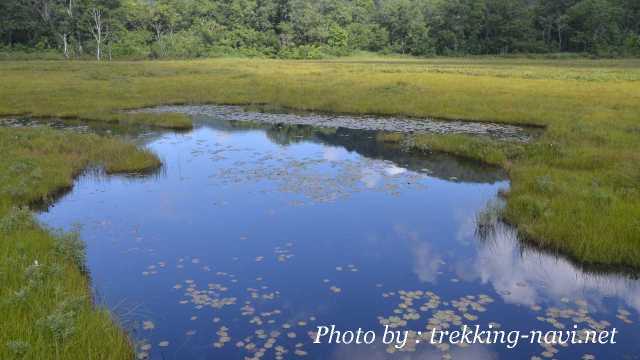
[[313, 29]]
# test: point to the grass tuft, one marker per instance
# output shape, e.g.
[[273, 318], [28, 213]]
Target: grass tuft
[[45, 298], [171, 121]]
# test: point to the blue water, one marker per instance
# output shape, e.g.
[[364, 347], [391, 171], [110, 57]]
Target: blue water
[[252, 236]]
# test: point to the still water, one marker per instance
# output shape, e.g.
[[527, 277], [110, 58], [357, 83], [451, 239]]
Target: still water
[[253, 235]]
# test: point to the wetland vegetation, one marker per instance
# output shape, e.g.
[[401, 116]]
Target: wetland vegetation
[[46, 303], [573, 189]]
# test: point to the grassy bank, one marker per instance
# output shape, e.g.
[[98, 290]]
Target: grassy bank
[[45, 302], [574, 190]]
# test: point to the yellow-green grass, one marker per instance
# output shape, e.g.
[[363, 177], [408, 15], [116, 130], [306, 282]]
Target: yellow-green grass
[[45, 302], [492, 152], [172, 121], [574, 190]]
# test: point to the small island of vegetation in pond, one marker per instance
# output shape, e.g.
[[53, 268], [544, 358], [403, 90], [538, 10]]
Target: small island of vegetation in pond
[[560, 77]]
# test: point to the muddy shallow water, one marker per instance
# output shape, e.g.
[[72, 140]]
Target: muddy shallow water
[[254, 234]]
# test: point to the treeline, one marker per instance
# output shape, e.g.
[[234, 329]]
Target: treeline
[[315, 28]]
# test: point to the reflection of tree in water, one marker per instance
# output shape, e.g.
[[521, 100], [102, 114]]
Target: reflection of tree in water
[[371, 144], [291, 134]]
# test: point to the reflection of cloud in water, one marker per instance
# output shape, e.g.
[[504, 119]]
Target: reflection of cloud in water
[[423, 352], [465, 218], [370, 178], [333, 153], [394, 170], [527, 276], [426, 262], [377, 171]]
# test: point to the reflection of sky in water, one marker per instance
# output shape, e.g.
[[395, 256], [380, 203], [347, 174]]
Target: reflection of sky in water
[[252, 236]]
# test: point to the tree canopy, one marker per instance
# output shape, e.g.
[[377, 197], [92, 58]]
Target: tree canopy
[[313, 28]]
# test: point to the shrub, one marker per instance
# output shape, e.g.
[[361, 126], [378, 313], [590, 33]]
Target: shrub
[[132, 44], [304, 52], [632, 44], [70, 246], [18, 348], [59, 325], [183, 44]]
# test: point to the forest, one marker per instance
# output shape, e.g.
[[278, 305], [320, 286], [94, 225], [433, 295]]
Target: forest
[[310, 29]]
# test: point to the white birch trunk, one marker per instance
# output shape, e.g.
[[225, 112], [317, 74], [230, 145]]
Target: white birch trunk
[[65, 44], [97, 30]]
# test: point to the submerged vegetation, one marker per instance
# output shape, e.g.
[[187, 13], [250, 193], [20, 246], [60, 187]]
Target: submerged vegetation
[[46, 305]]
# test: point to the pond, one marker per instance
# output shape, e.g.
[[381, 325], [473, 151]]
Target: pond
[[253, 234]]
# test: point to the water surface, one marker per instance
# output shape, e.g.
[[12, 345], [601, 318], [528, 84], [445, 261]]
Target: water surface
[[254, 234]]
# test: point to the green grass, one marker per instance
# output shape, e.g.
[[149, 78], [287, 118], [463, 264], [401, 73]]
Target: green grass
[[575, 190], [47, 310]]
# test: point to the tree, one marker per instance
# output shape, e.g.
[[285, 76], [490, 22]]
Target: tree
[[408, 30], [595, 25], [98, 21], [338, 37], [551, 20], [64, 14], [307, 22], [99, 29], [163, 28], [506, 27], [457, 26]]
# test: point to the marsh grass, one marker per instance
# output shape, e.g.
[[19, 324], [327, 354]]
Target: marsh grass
[[46, 305], [47, 309], [172, 121], [483, 149]]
